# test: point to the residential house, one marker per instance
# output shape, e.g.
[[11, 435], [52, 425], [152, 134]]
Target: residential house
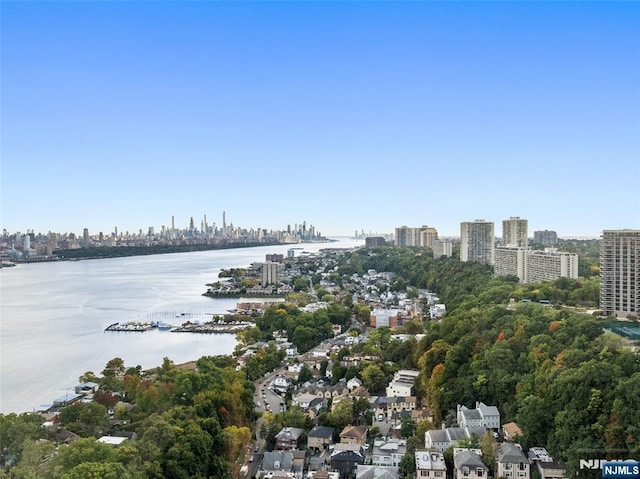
[[468, 464], [377, 472], [430, 464], [354, 435], [320, 438], [510, 431], [402, 383], [86, 388], [276, 462], [388, 452], [551, 469], [482, 415], [345, 459], [353, 383], [288, 438], [442, 439], [511, 462], [282, 383], [388, 405]]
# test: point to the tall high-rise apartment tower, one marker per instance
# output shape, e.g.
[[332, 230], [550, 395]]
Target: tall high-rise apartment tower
[[620, 272], [477, 241], [514, 232]]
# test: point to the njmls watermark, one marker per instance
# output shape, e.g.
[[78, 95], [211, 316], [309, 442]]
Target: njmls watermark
[[609, 463], [621, 470]]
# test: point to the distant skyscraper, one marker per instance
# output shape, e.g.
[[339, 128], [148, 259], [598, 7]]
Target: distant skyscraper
[[224, 221], [477, 241], [428, 236], [85, 235], [620, 272], [514, 232], [546, 237], [406, 236]]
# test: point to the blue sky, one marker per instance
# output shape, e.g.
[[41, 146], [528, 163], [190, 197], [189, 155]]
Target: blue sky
[[349, 115]]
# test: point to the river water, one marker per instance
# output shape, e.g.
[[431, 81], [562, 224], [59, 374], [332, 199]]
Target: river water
[[53, 316]]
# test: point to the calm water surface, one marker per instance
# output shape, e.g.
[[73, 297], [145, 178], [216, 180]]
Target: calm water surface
[[53, 315]]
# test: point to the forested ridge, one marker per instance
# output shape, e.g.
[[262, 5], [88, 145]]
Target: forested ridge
[[570, 386]]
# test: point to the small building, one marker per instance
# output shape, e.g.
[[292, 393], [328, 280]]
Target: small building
[[354, 435], [510, 431], [345, 459], [66, 400], [377, 472], [114, 441], [86, 388], [388, 452], [320, 438], [287, 438], [552, 469]]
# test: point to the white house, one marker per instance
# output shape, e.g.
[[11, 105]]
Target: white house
[[430, 464], [402, 383], [353, 383], [482, 415]]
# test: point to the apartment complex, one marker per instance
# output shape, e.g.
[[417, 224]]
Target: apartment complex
[[424, 236], [477, 241], [532, 266], [514, 232], [620, 272], [546, 237]]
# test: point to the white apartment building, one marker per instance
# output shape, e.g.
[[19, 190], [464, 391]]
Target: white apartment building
[[430, 464], [620, 272], [477, 241], [532, 266], [442, 248], [549, 265], [510, 261], [514, 232]]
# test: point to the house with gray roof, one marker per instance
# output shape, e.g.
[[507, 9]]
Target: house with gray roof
[[482, 415], [388, 452], [277, 461], [468, 464], [320, 438], [511, 462], [430, 464], [443, 439], [377, 472], [288, 438]]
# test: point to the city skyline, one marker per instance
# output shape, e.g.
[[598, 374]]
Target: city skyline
[[351, 115]]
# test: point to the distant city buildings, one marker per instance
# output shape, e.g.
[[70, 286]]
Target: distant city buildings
[[620, 272], [31, 246], [477, 241]]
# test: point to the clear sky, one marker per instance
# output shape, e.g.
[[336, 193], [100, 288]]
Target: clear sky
[[349, 115]]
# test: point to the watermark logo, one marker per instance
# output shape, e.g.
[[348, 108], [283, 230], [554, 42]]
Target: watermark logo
[[621, 470]]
